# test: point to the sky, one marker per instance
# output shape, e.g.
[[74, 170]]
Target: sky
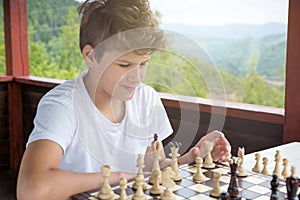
[[221, 12]]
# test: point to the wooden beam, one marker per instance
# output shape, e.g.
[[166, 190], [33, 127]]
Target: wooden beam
[[16, 37], [292, 95], [17, 64]]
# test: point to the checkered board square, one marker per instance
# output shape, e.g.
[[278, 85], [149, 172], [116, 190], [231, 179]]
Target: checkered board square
[[255, 186]]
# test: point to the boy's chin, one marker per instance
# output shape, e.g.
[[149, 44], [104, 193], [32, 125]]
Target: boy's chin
[[127, 97]]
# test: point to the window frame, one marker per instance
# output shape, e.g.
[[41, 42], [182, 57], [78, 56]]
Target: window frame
[[17, 70]]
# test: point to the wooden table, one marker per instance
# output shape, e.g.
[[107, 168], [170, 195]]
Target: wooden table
[[291, 151]]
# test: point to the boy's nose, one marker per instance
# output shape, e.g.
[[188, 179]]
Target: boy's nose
[[134, 75]]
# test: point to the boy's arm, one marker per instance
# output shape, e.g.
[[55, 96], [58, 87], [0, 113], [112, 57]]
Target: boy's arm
[[40, 176]]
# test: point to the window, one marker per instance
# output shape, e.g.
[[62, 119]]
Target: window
[[245, 41], [243, 44], [2, 43], [53, 38]]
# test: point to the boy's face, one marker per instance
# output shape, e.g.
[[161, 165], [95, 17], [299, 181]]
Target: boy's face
[[121, 78]]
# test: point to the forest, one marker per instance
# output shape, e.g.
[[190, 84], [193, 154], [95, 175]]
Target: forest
[[54, 52]]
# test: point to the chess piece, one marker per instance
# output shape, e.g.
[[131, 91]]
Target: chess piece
[[167, 195], [224, 196], [156, 188], [292, 184], [166, 180], [156, 149], [240, 168], [140, 165], [106, 191], [139, 194], [265, 168], [277, 163], [216, 191], [284, 172], [123, 186], [208, 161], [198, 176], [233, 189], [174, 165], [274, 187], [257, 167]]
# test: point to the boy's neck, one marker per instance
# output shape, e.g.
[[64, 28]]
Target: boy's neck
[[112, 109]]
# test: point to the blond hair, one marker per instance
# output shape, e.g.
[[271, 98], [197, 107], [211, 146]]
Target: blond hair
[[102, 19]]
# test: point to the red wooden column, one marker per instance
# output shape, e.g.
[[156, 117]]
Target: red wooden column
[[16, 48], [292, 98]]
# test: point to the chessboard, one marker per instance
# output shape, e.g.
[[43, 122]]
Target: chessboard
[[254, 186]]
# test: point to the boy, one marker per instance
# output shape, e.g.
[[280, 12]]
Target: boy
[[105, 115]]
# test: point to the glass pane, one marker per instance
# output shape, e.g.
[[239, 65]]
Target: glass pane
[[245, 40], [53, 38], [2, 47]]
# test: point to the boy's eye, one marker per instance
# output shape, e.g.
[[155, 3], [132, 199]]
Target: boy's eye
[[124, 65]]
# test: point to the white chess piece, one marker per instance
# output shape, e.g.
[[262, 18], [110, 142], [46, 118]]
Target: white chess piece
[[199, 176], [140, 165], [156, 149], [277, 163], [106, 191], [265, 168], [257, 167], [284, 172], [166, 180], [174, 165], [240, 168], [216, 191], [139, 194], [208, 161], [123, 186]]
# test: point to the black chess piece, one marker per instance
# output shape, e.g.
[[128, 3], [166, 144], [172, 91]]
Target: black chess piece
[[233, 189], [274, 187], [291, 187], [224, 196]]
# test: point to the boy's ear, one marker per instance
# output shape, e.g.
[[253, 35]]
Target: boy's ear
[[87, 53]]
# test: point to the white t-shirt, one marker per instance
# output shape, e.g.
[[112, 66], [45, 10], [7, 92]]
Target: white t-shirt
[[67, 116]]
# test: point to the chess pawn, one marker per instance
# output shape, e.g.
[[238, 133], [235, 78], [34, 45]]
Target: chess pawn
[[123, 186], [284, 172], [265, 168], [292, 185], [208, 161], [216, 191], [139, 194], [106, 191], [199, 176], [257, 167]]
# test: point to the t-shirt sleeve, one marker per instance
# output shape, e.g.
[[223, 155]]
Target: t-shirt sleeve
[[54, 121]]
